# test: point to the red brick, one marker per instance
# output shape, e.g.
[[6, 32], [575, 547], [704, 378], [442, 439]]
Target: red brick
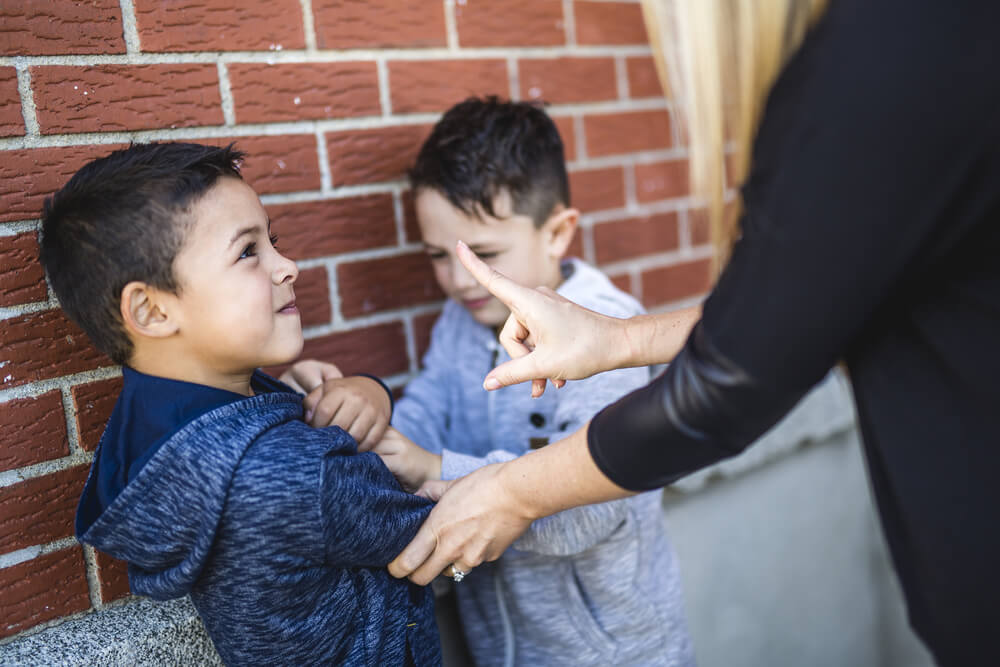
[[112, 575], [265, 93], [438, 84], [333, 226], [675, 282], [597, 189], [282, 163], [625, 239], [49, 27], [44, 345], [610, 134], [623, 281], [643, 80], [94, 402], [567, 80], [27, 176], [22, 278], [383, 284], [701, 232], [661, 180], [368, 24], [510, 23], [567, 132], [40, 510], [312, 296], [32, 430], [11, 120], [219, 25], [410, 223], [370, 156], [42, 589], [422, 326], [609, 23], [106, 98], [380, 350]]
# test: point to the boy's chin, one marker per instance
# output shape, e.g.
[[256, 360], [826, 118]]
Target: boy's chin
[[290, 351]]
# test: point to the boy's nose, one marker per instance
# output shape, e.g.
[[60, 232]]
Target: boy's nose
[[284, 270], [460, 276]]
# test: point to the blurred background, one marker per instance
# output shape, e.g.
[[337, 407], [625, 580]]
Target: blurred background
[[782, 559]]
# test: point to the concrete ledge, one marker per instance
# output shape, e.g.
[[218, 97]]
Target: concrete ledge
[[138, 632]]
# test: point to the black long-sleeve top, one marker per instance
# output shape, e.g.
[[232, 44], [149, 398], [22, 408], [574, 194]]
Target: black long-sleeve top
[[871, 234]]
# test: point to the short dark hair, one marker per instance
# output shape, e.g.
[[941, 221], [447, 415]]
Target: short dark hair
[[122, 218], [483, 146]]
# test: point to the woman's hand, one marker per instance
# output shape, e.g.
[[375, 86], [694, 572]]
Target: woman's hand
[[475, 520], [546, 335]]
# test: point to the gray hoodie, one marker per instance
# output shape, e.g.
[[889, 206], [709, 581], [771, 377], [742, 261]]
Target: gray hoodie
[[594, 585]]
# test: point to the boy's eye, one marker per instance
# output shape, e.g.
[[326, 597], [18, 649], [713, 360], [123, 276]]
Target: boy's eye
[[487, 255], [249, 251], [435, 256], [274, 240]]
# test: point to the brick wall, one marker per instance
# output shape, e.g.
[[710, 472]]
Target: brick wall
[[330, 98]]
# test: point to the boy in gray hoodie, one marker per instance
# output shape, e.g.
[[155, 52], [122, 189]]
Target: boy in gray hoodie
[[596, 585]]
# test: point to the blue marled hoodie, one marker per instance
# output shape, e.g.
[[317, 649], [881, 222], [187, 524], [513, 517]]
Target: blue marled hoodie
[[596, 585], [280, 533]]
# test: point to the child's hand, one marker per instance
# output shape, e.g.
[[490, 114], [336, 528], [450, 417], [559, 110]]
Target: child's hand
[[357, 404], [306, 375], [411, 464]]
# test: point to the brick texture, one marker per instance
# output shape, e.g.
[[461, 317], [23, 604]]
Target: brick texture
[[492, 23], [112, 576], [312, 296], [436, 85], [568, 80], [44, 345], [49, 27], [93, 403], [331, 226], [597, 189], [282, 163], [39, 510], [265, 93], [366, 24], [623, 281], [422, 325], [220, 25], [612, 134], [609, 23], [11, 120], [370, 156], [379, 350], [42, 589], [673, 283], [643, 81], [383, 284], [27, 176], [567, 133], [32, 430], [635, 237], [661, 180], [125, 97], [22, 279]]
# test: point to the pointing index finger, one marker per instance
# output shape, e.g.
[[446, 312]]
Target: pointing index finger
[[498, 284]]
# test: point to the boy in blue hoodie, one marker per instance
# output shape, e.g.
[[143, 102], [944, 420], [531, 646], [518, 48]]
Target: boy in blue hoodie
[[207, 481], [596, 585]]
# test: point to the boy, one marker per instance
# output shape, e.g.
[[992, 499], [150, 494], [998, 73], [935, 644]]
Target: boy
[[596, 585], [206, 480]]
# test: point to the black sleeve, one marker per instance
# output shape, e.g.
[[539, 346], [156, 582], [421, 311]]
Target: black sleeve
[[861, 166]]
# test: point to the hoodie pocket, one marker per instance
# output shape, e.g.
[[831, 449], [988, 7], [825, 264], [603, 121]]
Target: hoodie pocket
[[580, 610]]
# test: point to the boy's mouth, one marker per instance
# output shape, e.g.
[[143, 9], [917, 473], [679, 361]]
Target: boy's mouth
[[289, 308], [475, 304]]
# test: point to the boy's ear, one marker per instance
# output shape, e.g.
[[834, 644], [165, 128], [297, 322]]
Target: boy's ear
[[561, 227], [145, 311]]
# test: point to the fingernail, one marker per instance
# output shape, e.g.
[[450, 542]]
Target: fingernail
[[491, 384]]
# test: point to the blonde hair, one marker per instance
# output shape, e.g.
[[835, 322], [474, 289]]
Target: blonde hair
[[720, 58]]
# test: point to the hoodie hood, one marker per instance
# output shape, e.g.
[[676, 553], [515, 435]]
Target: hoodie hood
[[165, 520]]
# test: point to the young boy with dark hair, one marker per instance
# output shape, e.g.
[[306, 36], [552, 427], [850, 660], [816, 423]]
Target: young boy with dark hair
[[206, 480], [596, 585]]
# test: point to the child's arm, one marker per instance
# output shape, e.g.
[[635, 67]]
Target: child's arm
[[367, 518], [358, 404]]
